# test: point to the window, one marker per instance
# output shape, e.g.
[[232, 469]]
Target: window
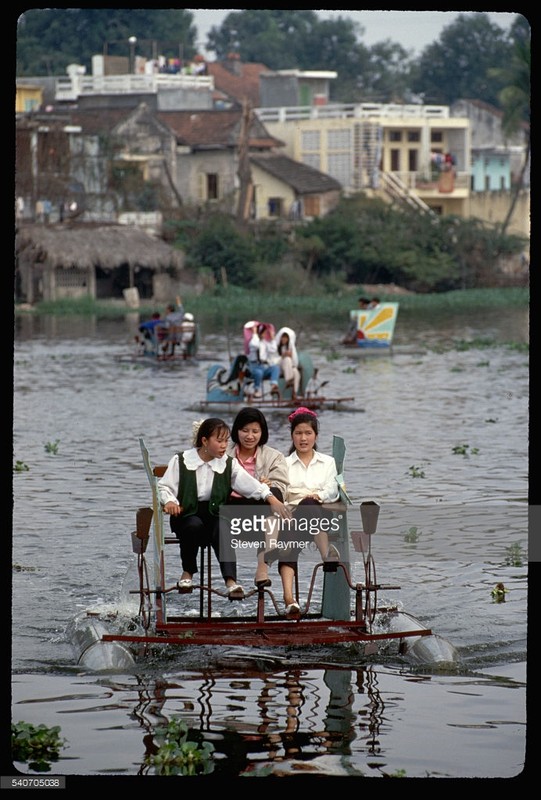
[[71, 278], [395, 136], [212, 186], [436, 136], [395, 160], [339, 167], [414, 136], [339, 139], [311, 161], [275, 206], [413, 160], [310, 140]]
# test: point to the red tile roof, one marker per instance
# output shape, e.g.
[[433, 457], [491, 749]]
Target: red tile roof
[[241, 86]]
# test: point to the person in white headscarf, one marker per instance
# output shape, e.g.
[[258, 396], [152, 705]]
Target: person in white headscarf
[[289, 359]]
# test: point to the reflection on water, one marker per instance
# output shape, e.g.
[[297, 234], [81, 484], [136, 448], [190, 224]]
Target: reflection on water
[[439, 439], [367, 721]]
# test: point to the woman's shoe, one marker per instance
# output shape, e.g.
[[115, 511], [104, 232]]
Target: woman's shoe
[[235, 592], [293, 610], [274, 390], [263, 583], [185, 585], [257, 394]]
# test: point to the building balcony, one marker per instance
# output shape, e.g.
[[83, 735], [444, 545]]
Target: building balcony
[[71, 87]]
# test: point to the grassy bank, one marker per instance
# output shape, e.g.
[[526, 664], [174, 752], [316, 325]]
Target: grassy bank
[[239, 304]]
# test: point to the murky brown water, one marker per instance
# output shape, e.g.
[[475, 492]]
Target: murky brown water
[[74, 510]]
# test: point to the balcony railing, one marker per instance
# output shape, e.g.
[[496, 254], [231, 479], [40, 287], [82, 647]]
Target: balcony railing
[[70, 88], [351, 111]]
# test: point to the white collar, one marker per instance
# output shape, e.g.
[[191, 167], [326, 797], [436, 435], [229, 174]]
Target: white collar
[[192, 460], [316, 456]]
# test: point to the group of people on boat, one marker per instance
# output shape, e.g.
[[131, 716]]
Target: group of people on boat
[[163, 335], [228, 471], [270, 356]]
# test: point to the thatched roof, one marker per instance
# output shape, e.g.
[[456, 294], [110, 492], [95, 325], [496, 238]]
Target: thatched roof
[[87, 246]]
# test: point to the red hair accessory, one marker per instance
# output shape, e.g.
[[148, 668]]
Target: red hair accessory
[[301, 410]]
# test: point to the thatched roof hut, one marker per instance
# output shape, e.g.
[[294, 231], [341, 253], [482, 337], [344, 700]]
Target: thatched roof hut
[[102, 260]]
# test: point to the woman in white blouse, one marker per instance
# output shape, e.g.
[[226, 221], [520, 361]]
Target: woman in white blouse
[[312, 482], [195, 485]]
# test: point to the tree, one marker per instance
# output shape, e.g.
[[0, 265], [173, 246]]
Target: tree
[[515, 100], [295, 40], [50, 39], [457, 65]]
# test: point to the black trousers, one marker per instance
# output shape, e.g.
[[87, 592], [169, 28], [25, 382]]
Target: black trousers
[[199, 530]]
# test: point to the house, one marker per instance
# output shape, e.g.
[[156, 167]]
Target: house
[[295, 87], [60, 261], [284, 188], [496, 160]]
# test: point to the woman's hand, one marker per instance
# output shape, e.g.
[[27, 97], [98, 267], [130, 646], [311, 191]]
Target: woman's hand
[[278, 507], [173, 508], [266, 481]]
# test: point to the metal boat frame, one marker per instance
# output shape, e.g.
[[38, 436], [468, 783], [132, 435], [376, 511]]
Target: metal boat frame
[[348, 611]]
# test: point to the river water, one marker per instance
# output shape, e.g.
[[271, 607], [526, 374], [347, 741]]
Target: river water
[[437, 434]]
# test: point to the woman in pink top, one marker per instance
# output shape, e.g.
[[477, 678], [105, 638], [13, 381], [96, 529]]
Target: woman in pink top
[[249, 437]]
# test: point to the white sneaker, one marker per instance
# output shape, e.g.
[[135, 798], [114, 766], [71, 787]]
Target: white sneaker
[[257, 393]]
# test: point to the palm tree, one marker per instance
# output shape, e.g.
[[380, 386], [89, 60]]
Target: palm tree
[[515, 100]]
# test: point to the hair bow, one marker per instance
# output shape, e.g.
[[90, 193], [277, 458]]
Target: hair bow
[[195, 430], [301, 410]]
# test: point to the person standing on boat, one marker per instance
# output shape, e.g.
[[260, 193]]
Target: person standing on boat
[[261, 355], [172, 326], [249, 437], [312, 482], [289, 359], [194, 486]]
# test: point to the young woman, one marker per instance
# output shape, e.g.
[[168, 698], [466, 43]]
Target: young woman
[[263, 358], [312, 482], [289, 359], [196, 483], [249, 437]]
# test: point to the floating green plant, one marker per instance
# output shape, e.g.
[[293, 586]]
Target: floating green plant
[[20, 466], [176, 755], [36, 745], [515, 555], [52, 447], [464, 450], [412, 535], [416, 472]]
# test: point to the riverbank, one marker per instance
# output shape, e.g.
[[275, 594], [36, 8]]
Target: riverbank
[[240, 304]]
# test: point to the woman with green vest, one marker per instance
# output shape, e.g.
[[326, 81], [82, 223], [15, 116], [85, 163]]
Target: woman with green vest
[[196, 483]]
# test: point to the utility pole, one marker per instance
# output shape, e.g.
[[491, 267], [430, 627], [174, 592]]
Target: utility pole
[[244, 172]]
